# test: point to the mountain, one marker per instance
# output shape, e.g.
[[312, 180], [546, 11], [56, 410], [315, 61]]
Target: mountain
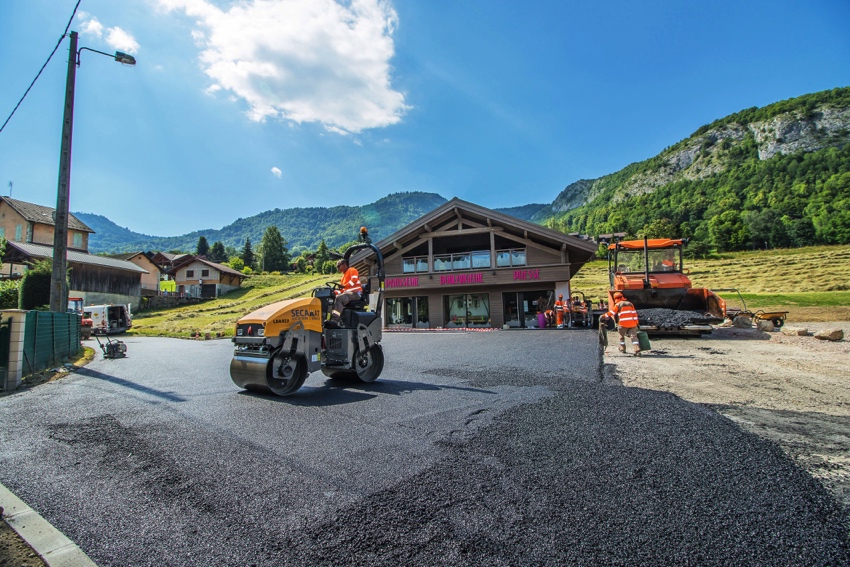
[[301, 227], [774, 176]]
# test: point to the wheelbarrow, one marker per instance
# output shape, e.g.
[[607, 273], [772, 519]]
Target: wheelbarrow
[[775, 317]]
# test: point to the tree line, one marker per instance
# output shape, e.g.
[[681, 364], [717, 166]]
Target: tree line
[[271, 256]]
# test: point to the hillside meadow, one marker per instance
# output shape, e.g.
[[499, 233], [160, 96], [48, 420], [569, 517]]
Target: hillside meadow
[[812, 284]]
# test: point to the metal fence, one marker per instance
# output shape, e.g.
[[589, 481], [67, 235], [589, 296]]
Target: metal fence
[[50, 339]]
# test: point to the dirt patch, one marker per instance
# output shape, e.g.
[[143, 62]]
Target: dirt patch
[[792, 390]]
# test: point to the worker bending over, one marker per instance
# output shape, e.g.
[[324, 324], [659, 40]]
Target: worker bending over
[[351, 290], [626, 315]]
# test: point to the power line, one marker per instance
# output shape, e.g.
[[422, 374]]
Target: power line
[[58, 43]]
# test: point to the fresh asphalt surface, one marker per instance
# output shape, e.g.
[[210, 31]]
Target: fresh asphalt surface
[[494, 448]]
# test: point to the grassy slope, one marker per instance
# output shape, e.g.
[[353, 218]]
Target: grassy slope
[[220, 315], [812, 284]]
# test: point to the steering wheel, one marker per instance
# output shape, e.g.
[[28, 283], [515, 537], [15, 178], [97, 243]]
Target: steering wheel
[[336, 286]]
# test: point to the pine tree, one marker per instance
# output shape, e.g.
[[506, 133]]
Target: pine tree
[[247, 253], [203, 246], [217, 253], [321, 256], [275, 255]]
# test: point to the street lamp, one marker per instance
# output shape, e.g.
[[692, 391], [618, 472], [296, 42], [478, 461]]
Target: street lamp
[[58, 285]]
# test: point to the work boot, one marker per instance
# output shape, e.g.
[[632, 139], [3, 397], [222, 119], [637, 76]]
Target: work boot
[[332, 324], [637, 353], [622, 349]]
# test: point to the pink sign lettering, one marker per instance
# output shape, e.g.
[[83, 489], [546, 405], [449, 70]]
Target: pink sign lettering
[[458, 279], [526, 274], [402, 282]]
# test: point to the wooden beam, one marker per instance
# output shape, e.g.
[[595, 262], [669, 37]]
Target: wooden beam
[[461, 232], [404, 249], [528, 242]]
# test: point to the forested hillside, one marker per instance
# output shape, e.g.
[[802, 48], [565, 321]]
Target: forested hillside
[[775, 176], [302, 228]]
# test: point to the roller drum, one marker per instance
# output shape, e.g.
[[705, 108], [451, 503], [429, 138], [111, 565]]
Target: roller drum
[[250, 370]]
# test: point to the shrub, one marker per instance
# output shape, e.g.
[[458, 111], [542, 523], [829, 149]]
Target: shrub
[[9, 294]]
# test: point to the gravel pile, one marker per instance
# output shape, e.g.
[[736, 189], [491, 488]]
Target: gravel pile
[[597, 475], [670, 317]]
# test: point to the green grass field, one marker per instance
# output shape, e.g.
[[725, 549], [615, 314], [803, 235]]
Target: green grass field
[[811, 284], [218, 316]]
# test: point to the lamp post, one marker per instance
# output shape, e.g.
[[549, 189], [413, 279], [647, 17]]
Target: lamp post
[[58, 284]]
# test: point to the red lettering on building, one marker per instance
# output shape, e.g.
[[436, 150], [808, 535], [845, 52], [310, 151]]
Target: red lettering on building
[[402, 282], [526, 274], [459, 279]]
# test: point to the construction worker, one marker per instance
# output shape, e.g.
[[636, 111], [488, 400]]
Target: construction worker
[[560, 307], [626, 315], [351, 291]]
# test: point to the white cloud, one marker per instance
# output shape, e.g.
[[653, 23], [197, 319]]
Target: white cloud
[[276, 172], [122, 41], [92, 27], [322, 61], [116, 37]]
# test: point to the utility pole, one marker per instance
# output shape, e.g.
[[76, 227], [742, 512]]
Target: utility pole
[[58, 282]]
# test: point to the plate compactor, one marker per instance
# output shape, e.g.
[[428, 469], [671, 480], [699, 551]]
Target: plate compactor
[[278, 345]]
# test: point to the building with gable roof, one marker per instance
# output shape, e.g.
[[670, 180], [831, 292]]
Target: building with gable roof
[[28, 230], [462, 265], [195, 276]]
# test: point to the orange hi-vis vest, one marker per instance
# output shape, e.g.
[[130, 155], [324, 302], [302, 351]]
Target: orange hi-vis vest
[[559, 305], [628, 314], [350, 281]]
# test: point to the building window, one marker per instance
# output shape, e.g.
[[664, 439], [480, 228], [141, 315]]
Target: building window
[[481, 259], [508, 258], [2, 232], [462, 261], [205, 273], [415, 264], [408, 312], [190, 273], [19, 232], [78, 240], [443, 263], [29, 232]]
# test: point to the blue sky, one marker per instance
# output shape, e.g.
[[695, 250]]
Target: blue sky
[[235, 108]]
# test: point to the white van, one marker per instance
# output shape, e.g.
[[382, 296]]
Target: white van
[[109, 319]]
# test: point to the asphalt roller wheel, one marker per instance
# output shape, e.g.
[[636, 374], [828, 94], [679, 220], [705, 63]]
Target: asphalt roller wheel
[[367, 367], [370, 364], [281, 375], [286, 375]]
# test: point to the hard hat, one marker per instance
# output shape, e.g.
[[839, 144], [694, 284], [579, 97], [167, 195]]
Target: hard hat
[[619, 295], [363, 229]]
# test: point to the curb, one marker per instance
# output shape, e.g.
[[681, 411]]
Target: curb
[[50, 544]]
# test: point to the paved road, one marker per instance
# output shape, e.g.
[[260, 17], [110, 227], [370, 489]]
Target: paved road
[[478, 448]]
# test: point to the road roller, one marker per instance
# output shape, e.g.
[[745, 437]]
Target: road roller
[[279, 345]]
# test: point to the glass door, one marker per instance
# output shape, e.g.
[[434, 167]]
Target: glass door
[[467, 310], [422, 313], [400, 312], [512, 311]]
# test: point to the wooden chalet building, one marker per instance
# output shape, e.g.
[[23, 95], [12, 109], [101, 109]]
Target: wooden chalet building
[[462, 265]]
